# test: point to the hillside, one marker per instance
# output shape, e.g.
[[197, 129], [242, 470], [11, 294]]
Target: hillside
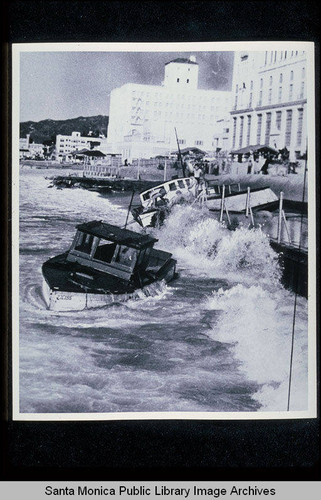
[[46, 130]]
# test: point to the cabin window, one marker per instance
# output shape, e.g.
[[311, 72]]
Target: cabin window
[[105, 250], [126, 256], [84, 242], [188, 182], [146, 196], [181, 183], [172, 186], [143, 257]]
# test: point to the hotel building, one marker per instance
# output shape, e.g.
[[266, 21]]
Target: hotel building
[[144, 119], [269, 100]]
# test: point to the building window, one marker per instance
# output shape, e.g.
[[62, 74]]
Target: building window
[[259, 128], [198, 143], [291, 76], [303, 73], [251, 100], [271, 81], [278, 119], [288, 127], [300, 126], [291, 92], [241, 131], [268, 128], [187, 81], [248, 136], [281, 78], [181, 141], [251, 85], [270, 96], [260, 98], [302, 90], [261, 83], [235, 102], [234, 131], [280, 94], [177, 80]]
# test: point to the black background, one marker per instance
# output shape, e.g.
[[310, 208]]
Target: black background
[[151, 450]]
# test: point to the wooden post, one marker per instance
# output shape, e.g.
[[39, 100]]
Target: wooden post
[[138, 169], [247, 202], [222, 203], [286, 226], [227, 214], [280, 217], [252, 218], [129, 207]]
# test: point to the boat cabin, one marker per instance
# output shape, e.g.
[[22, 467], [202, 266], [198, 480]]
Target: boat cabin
[[110, 249], [171, 187]]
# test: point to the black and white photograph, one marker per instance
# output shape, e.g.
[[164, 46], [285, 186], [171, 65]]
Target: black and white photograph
[[163, 231]]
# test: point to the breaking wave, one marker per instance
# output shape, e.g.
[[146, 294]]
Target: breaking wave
[[258, 325], [204, 245]]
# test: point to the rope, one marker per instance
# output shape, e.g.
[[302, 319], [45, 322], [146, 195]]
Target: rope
[[296, 296]]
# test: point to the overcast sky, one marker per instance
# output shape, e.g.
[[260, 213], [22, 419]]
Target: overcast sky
[[62, 85]]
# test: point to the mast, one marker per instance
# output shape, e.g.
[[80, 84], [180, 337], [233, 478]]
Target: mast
[[179, 153]]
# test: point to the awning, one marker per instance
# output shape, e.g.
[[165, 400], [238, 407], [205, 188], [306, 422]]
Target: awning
[[190, 151], [255, 149]]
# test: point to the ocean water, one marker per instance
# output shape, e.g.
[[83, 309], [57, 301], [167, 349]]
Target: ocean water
[[216, 339]]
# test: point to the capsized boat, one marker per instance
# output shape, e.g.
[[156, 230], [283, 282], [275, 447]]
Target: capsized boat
[[105, 264], [237, 201], [157, 201]]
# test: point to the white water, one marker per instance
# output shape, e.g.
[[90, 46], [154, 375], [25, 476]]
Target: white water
[[217, 339]]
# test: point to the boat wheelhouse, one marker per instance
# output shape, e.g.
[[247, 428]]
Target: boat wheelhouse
[[156, 202], [182, 185], [104, 264]]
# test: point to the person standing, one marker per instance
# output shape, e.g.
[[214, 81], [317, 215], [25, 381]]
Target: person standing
[[198, 173], [249, 165], [265, 168]]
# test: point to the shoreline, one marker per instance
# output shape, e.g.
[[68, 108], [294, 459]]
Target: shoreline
[[291, 186], [71, 176]]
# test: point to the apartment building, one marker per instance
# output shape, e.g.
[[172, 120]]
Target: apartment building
[[270, 100]]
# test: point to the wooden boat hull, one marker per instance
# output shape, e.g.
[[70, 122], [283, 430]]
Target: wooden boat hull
[[61, 293], [150, 218], [294, 264], [236, 202], [60, 301]]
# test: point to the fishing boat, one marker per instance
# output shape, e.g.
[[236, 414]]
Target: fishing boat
[[157, 201], [105, 264]]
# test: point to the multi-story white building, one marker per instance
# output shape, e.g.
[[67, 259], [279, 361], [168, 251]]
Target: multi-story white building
[[269, 100], [30, 149], [68, 144], [143, 118]]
